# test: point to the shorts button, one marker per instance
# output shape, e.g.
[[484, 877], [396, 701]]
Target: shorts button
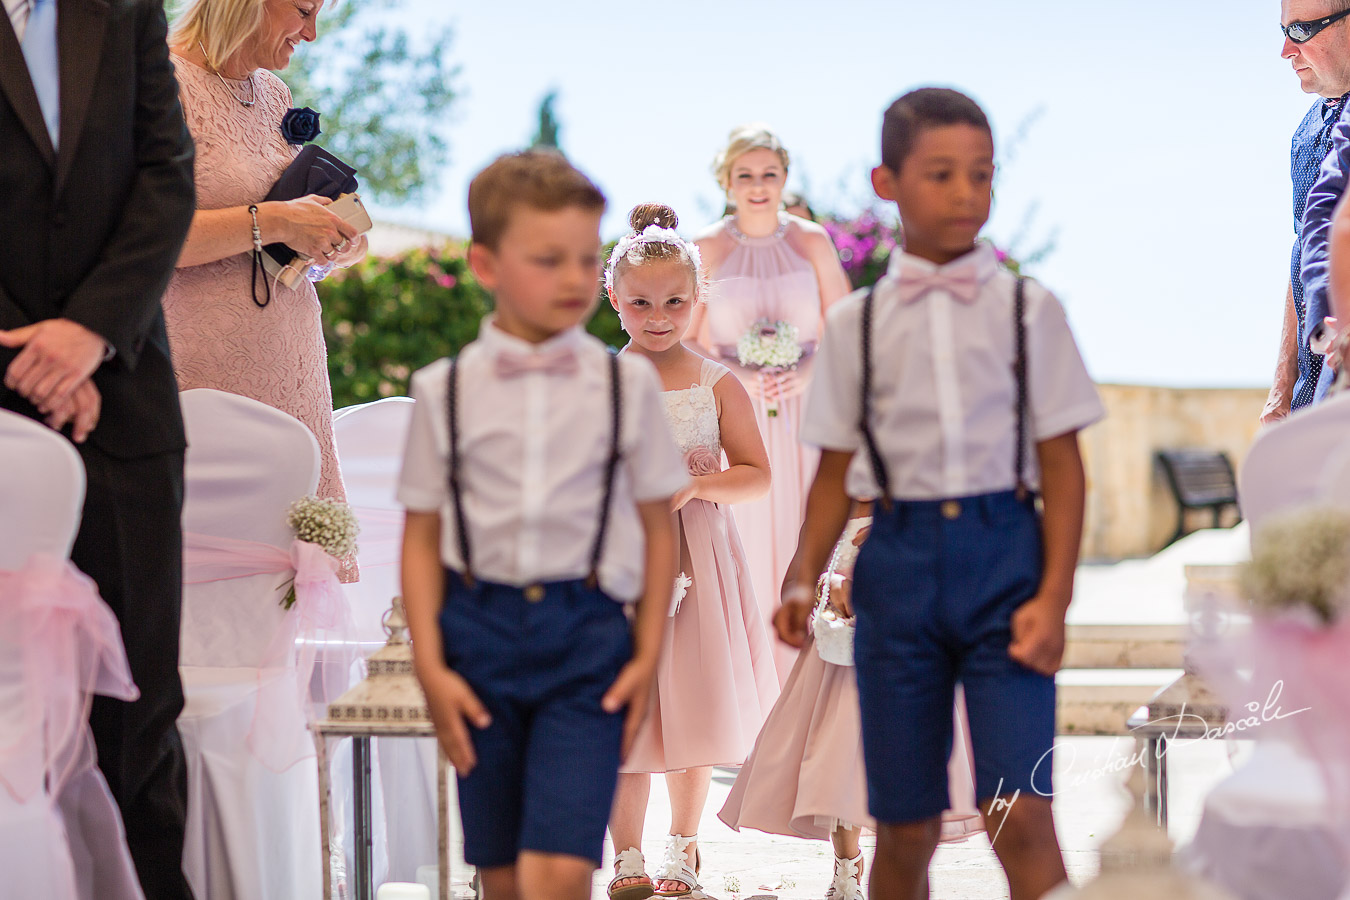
[[951, 509], [534, 593]]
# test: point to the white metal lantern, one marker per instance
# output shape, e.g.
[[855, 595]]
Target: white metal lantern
[[388, 703]]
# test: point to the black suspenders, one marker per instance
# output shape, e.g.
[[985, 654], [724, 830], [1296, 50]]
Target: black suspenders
[[461, 527], [1020, 374], [879, 472], [883, 477], [611, 470]]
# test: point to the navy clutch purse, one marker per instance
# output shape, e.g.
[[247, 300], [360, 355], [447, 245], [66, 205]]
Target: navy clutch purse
[[314, 171]]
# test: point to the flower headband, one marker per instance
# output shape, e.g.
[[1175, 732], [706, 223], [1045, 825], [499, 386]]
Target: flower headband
[[652, 234]]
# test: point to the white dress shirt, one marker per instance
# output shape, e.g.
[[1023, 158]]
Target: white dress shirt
[[18, 10], [533, 450], [943, 389]]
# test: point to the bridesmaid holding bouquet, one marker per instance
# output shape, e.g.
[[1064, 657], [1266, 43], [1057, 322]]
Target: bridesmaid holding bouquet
[[773, 276]]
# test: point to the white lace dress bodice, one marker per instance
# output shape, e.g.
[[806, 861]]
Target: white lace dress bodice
[[692, 413]]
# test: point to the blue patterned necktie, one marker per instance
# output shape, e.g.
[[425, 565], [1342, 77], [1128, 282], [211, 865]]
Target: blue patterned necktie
[[39, 51]]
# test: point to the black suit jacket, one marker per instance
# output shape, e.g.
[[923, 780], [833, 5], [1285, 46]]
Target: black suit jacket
[[91, 233]]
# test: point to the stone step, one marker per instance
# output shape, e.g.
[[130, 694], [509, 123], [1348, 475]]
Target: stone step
[[1098, 701], [1124, 646]]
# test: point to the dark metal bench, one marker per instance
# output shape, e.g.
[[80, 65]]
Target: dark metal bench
[[1200, 479]]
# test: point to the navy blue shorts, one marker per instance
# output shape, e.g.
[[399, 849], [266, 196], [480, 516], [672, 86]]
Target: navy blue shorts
[[549, 762], [934, 596]]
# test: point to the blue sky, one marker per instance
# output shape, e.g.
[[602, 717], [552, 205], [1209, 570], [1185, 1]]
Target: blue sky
[[1156, 142]]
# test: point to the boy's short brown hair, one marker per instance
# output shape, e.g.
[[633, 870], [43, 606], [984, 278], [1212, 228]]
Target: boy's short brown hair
[[539, 179], [920, 109]]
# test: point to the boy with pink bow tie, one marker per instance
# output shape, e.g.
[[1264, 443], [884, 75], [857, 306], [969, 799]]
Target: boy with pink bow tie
[[537, 479], [930, 389]]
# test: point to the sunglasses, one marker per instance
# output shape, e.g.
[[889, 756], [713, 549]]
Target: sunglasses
[[1302, 32]]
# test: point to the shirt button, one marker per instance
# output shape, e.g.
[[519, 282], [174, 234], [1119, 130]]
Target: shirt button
[[951, 509], [534, 593]]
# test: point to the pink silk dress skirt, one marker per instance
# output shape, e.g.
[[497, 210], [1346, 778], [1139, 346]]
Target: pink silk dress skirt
[[716, 681], [805, 777]]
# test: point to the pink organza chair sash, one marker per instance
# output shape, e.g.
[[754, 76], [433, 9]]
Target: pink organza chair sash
[[1298, 677], [69, 647], [320, 618]]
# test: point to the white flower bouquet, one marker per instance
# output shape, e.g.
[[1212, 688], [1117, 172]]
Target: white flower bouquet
[[769, 345], [330, 524], [1301, 562], [770, 348]]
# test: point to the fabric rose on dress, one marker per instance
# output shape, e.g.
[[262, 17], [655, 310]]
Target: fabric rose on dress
[[300, 126], [702, 461]]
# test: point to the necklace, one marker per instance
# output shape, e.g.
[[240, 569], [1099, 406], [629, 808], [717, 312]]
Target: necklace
[[735, 231], [252, 89]]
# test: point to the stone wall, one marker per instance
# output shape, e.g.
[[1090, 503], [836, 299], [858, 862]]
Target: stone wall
[[1130, 509]]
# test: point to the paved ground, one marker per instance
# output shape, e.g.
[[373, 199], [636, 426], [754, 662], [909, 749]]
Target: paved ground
[[1088, 807], [1089, 801]]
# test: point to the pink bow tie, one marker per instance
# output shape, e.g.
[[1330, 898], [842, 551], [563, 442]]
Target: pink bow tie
[[562, 361], [961, 283]]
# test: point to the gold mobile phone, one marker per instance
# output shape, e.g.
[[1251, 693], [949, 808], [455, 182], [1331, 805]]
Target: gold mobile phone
[[350, 208], [347, 207]]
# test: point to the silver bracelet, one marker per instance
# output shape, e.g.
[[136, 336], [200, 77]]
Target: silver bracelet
[[257, 234]]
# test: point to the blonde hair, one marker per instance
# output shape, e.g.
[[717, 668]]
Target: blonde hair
[[539, 179], [742, 140], [220, 26], [653, 239]]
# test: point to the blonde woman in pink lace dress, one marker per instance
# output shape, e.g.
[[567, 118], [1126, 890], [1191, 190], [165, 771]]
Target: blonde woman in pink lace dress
[[767, 265], [219, 335]]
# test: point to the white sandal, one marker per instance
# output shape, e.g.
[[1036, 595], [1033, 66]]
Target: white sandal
[[630, 864], [675, 866], [845, 885]]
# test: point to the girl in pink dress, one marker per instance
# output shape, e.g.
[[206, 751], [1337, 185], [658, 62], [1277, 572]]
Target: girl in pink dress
[[716, 680], [770, 272], [273, 350], [805, 777]]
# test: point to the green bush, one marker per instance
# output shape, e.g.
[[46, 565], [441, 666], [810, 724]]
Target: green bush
[[384, 319]]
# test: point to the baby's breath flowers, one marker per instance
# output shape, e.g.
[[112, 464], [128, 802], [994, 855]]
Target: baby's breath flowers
[[769, 345], [771, 348], [329, 523], [1301, 561]]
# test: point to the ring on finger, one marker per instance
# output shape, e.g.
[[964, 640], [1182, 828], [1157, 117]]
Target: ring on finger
[[329, 253], [342, 246]]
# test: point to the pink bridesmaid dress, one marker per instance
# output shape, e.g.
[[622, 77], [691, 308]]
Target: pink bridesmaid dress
[[805, 776], [764, 278], [219, 338], [716, 681]]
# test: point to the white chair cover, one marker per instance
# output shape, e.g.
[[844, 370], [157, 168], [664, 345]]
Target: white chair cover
[[1269, 830], [61, 835], [1287, 462], [252, 832], [41, 491], [370, 440]]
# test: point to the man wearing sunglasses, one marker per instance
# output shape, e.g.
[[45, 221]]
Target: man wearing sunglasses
[[1325, 195], [1317, 45]]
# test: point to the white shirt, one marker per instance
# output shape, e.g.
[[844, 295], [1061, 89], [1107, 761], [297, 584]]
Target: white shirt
[[12, 9], [943, 389], [533, 450]]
